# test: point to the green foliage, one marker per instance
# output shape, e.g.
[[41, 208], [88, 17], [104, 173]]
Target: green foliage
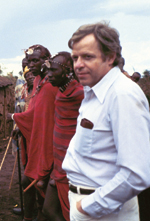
[[144, 83], [146, 73]]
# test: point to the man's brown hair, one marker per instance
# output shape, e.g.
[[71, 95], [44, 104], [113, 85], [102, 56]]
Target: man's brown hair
[[107, 38]]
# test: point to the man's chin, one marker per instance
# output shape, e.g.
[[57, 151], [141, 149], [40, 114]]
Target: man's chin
[[84, 83]]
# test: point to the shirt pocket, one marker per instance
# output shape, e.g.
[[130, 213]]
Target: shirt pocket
[[84, 141]]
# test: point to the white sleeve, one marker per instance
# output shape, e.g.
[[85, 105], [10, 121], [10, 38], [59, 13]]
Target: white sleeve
[[130, 121], [111, 197]]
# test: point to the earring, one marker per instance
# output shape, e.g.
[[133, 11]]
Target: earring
[[70, 75], [42, 67]]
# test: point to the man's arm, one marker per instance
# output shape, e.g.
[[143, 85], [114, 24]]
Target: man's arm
[[130, 122]]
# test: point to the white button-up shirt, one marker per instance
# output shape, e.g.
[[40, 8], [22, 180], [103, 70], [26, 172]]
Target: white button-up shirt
[[113, 156]]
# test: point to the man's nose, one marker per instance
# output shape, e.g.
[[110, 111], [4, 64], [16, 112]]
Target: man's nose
[[78, 64], [31, 64], [31, 77]]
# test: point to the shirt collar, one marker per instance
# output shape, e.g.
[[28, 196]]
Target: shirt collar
[[101, 88]]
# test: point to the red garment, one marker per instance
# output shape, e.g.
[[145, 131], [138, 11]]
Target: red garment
[[66, 112], [27, 97], [63, 189], [36, 125]]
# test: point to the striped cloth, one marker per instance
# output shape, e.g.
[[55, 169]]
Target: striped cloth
[[66, 113]]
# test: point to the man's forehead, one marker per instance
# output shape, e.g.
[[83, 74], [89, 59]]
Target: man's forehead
[[53, 64], [35, 54], [59, 59], [85, 45]]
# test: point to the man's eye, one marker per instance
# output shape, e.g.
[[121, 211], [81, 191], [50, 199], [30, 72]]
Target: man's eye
[[88, 56], [74, 58]]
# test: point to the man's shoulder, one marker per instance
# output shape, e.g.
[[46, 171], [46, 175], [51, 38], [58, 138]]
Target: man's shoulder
[[124, 88], [49, 88], [125, 85]]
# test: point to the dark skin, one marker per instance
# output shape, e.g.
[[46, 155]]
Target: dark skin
[[57, 74], [35, 62], [29, 79], [57, 77], [52, 208]]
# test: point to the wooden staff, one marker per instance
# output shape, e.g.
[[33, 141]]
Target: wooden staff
[[13, 172], [30, 185], [19, 174], [7, 149]]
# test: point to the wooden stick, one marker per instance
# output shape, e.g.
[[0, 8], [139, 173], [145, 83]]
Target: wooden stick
[[13, 172], [7, 149], [30, 185]]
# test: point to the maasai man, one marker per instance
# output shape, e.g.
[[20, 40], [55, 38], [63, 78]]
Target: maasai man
[[26, 95], [68, 100], [36, 125]]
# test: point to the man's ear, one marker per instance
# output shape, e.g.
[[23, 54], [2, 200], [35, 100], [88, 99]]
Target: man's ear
[[111, 58]]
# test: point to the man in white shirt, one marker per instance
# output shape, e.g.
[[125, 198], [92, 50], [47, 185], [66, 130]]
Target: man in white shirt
[[107, 162]]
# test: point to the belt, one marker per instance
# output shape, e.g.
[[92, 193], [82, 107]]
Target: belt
[[75, 189]]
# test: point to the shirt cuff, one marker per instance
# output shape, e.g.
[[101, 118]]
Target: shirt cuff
[[90, 206]]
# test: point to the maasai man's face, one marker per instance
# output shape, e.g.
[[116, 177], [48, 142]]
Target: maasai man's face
[[56, 74], [35, 62], [29, 78]]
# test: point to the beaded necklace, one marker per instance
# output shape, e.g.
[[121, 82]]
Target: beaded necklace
[[63, 88], [40, 84]]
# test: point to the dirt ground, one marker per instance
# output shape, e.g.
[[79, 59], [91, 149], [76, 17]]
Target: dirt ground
[[8, 198]]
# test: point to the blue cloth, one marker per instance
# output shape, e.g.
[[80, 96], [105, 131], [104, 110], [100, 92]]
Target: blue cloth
[[18, 89], [18, 101]]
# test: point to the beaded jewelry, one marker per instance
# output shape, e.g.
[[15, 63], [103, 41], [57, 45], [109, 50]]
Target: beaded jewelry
[[48, 63], [41, 83], [70, 78]]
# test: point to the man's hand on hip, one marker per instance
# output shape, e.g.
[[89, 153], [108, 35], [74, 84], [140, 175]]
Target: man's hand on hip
[[79, 208]]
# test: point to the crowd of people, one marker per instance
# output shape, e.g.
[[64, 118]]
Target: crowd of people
[[84, 131]]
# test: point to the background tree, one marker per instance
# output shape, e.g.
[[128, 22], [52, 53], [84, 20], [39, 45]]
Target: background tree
[[144, 83], [1, 70]]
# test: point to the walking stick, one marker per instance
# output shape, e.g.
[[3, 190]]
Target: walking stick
[[13, 172], [7, 149], [20, 185], [30, 185]]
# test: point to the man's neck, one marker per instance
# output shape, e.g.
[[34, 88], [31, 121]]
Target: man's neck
[[30, 89]]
